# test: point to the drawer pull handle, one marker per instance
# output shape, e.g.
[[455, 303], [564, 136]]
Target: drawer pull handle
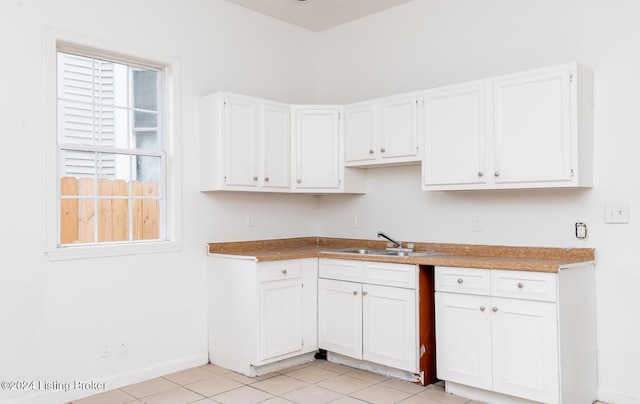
[[494, 309], [355, 292], [460, 280], [482, 308], [520, 285], [284, 272]]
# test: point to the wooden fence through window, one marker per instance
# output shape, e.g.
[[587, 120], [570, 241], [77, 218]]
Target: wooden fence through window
[[78, 210]]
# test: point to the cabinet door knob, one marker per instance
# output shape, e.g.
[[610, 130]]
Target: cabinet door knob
[[284, 272], [299, 181], [364, 293], [255, 178], [355, 292], [382, 150], [370, 151], [496, 174], [480, 174], [482, 308], [520, 285], [460, 280], [494, 309], [266, 179]]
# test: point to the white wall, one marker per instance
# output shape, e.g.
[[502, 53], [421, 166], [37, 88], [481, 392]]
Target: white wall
[[54, 314], [428, 43]]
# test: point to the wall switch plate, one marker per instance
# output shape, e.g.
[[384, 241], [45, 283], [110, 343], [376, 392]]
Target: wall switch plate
[[121, 345], [581, 231], [616, 213], [251, 220], [353, 221]]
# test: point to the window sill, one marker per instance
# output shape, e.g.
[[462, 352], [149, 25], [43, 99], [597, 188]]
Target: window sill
[[112, 250]]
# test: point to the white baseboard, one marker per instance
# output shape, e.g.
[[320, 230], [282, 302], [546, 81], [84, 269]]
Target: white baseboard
[[58, 395], [615, 397]]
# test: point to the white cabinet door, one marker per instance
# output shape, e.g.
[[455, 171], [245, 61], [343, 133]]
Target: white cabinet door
[[526, 130], [382, 131], [533, 128], [318, 136], [455, 135], [280, 317], [340, 317], [244, 144], [463, 339], [276, 146], [525, 349], [389, 319], [240, 137], [399, 127], [360, 127]]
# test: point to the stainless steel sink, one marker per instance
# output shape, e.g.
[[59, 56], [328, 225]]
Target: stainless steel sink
[[361, 251], [412, 253], [394, 253]]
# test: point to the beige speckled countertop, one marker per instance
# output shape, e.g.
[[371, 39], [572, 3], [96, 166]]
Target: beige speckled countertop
[[539, 259]]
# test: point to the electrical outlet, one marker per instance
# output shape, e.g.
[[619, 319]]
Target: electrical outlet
[[353, 221], [105, 348], [251, 220], [476, 225]]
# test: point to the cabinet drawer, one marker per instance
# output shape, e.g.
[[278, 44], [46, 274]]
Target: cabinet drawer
[[389, 274], [342, 270], [524, 285], [280, 270], [463, 280]]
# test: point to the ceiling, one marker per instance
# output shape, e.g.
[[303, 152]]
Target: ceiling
[[318, 15]]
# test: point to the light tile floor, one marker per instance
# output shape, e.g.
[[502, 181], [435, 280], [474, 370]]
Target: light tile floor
[[317, 382]]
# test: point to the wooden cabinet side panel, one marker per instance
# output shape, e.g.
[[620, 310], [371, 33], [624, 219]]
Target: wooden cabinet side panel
[[427, 324]]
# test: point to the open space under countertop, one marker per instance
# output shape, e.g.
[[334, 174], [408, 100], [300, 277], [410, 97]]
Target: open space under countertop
[[540, 259]]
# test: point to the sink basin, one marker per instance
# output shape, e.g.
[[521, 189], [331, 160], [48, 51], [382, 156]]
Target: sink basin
[[361, 251], [411, 253], [394, 253]]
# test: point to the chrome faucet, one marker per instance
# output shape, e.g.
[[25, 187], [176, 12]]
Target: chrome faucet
[[397, 243]]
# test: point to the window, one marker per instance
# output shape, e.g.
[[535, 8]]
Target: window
[[112, 181]]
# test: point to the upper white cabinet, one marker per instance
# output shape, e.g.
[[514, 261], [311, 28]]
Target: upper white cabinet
[[318, 163], [455, 136], [245, 143], [382, 131], [275, 119], [525, 130]]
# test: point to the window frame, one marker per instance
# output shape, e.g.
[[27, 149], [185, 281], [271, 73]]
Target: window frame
[[171, 235]]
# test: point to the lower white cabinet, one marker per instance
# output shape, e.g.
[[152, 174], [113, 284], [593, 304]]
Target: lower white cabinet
[[261, 313], [506, 334], [368, 311]]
